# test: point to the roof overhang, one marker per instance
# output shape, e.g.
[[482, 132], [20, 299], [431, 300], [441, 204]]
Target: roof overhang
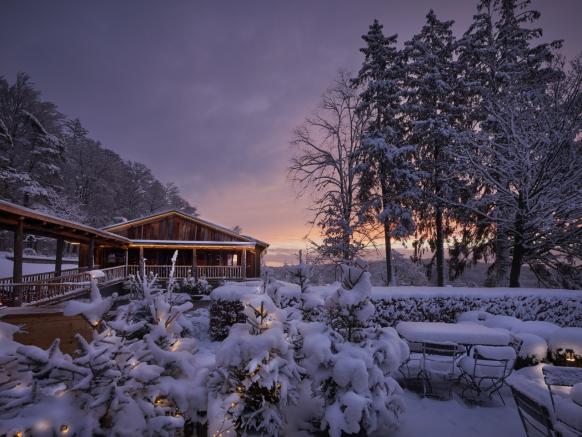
[[54, 227], [177, 244]]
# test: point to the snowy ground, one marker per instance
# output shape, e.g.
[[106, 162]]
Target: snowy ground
[[430, 417], [28, 268]]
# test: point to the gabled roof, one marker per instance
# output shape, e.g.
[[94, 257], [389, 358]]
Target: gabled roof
[[192, 218]]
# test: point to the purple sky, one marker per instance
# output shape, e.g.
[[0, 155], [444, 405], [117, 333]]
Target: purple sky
[[207, 93]]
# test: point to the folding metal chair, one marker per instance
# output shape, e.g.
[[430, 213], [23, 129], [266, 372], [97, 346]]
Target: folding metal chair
[[485, 372], [439, 364], [535, 416]]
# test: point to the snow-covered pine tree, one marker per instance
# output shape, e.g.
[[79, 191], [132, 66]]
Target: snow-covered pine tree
[[30, 146], [256, 374], [432, 109], [387, 181], [349, 362]]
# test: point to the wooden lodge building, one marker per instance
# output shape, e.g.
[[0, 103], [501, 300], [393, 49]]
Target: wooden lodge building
[[204, 250], [211, 250]]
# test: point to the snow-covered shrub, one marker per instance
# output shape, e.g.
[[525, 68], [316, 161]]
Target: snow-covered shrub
[[539, 328], [534, 350], [226, 309], [566, 346], [353, 379], [193, 285], [349, 310], [350, 362], [139, 375], [256, 375]]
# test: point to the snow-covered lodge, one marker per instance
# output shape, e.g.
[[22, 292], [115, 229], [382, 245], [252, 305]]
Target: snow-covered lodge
[[204, 249]]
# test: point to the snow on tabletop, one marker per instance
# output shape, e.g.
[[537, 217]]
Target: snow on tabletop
[[541, 329], [462, 333], [566, 338], [560, 375]]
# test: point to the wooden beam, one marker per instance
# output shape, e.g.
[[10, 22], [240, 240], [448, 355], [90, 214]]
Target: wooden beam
[[91, 255], [194, 263], [141, 264], [59, 256], [244, 263], [17, 265]]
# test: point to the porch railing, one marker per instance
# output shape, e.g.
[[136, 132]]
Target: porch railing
[[42, 277], [33, 292], [209, 272]]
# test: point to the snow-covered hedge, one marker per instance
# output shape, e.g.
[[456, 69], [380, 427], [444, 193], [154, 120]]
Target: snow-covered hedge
[[563, 309]]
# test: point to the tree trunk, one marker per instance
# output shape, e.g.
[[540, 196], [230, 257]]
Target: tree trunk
[[501, 257], [440, 247], [516, 262], [518, 249], [390, 280]]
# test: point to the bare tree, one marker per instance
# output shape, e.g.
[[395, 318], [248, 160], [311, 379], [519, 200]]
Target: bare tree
[[532, 171], [326, 166]]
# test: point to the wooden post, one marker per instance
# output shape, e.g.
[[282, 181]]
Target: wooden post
[[91, 255], [59, 256], [194, 264], [244, 263], [126, 255], [141, 266], [17, 266]]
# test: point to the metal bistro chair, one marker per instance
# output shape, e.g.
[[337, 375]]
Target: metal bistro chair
[[535, 417], [560, 377], [411, 368], [486, 371], [439, 365]]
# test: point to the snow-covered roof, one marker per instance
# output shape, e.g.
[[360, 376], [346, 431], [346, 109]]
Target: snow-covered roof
[[187, 216]]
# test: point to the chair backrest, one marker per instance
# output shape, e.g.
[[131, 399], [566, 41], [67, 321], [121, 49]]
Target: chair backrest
[[533, 415], [442, 349]]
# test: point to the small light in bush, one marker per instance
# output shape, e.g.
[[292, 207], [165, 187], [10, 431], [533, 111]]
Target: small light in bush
[[64, 429], [570, 355]]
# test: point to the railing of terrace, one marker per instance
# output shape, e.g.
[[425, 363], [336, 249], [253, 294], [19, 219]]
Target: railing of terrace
[[41, 277], [56, 288], [209, 272]]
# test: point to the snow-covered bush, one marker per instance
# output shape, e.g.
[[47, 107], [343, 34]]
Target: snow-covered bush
[[534, 350], [139, 374], [349, 310], [226, 309], [193, 285], [350, 362], [566, 346], [256, 375]]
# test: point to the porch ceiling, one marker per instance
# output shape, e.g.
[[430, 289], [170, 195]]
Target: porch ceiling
[[177, 244]]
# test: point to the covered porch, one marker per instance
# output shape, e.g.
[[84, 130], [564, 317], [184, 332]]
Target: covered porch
[[210, 260]]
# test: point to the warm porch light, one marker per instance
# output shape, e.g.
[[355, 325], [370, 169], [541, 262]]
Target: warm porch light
[[570, 355]]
